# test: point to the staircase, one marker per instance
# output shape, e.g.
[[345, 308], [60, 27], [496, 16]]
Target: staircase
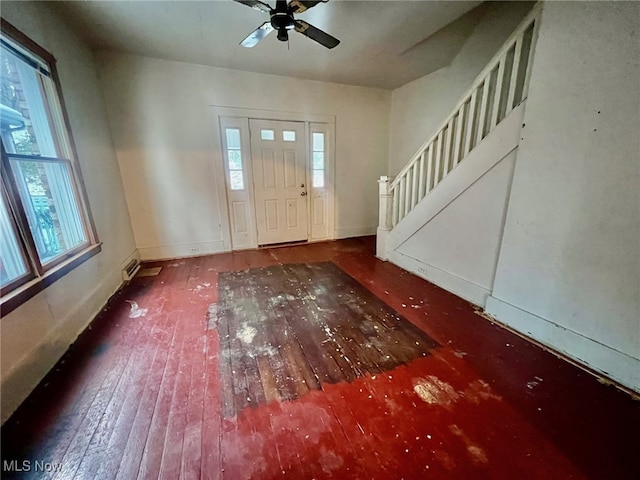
[[482, 129]]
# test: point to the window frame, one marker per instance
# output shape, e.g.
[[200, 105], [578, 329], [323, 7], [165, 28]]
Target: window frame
[[227, 158], [15, 226], [42, 274], [313, 161]]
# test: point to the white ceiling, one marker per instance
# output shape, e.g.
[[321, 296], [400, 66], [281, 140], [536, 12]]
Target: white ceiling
[[384, 43]]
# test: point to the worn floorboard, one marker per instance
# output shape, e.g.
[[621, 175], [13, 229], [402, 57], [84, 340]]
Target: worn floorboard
[[312, 361], [305, 324]]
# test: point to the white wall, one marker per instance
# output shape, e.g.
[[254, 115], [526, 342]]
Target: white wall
[[446, 248], [569, 268], [160, 116], [37, 333], [418, 108]]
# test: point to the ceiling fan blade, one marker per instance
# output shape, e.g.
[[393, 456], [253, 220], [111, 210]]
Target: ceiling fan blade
[[299, 6], [316, 34], [257, 4], [258, 34]]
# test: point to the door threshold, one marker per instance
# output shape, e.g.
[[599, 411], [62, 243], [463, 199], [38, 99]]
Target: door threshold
[[283, 244]]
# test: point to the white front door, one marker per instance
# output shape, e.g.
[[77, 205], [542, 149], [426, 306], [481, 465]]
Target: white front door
[[279, 165]]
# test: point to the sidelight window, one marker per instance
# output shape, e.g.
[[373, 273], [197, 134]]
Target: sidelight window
[[234, 158], [317, 140]]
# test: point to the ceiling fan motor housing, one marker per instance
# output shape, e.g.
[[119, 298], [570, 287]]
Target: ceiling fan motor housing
[[281, 22]]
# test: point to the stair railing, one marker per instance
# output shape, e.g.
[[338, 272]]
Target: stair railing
[[496, 91]]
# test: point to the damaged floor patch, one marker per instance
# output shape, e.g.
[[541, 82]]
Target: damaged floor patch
[[434, 391], [136, 311], [246, 333], [476, 454], [212, 316], [285, 330]]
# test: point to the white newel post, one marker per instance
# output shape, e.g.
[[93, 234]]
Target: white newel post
[[384, 216]]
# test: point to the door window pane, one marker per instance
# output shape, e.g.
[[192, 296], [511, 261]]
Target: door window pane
[[288, 136], [51, 205], [234, 159], [237, 181], [12, 263], [233, 138], [267, 134], [317, 145], [318, 160], [318, 142], [318, 178]]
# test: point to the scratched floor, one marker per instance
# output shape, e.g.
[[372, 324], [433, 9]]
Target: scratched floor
[[314, 361]]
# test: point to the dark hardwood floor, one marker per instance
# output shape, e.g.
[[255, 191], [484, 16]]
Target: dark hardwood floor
[[312, 361], [285, 330]]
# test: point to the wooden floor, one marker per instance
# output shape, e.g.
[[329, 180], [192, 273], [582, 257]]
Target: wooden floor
[[314, 361], [285, 330]]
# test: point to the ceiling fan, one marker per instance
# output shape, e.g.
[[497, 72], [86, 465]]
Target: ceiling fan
[[282, 21]]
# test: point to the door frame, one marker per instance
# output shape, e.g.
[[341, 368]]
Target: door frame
[[241, 116]]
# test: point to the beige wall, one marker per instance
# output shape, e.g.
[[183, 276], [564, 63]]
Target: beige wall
[[161, 122], [37, 333]]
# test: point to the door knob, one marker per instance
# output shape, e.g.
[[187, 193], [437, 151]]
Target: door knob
[[302, 185], [303, 194]]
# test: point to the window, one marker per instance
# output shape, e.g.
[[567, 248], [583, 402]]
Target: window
[[317, 144], [267, 135], [43, 218], [234, 159], [288, 136], [13, 265]]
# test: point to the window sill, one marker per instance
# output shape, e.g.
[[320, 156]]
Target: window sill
[[22, 294]]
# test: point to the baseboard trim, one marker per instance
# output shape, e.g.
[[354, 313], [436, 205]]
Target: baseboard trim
[[355, 231], [181, 250], [452, 283], [594, 356]]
